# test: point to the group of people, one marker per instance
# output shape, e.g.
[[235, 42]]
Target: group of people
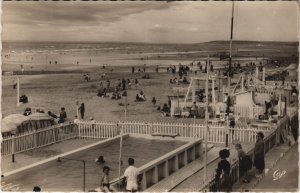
[[222, 177], [131, 178], [182, 80]]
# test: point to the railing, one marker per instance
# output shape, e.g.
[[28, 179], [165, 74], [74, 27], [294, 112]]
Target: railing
[[38, 138], [270, 141]]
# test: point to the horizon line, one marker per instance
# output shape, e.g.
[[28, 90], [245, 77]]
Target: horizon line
[[95, 42]]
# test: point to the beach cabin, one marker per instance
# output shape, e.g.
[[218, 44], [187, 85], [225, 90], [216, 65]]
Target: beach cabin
[[252, 104], [18, 124]]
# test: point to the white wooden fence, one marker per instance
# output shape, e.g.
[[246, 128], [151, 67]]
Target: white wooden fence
[[38, 138], [216, 132], [98, 129]]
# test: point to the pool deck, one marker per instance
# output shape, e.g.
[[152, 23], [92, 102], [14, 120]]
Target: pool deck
[[34, 156]]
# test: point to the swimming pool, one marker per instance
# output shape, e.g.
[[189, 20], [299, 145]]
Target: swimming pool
[[68, 175]]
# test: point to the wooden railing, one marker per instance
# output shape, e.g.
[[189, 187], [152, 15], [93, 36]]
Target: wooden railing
[[38, 138]]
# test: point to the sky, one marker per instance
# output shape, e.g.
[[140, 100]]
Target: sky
[[151, 22]]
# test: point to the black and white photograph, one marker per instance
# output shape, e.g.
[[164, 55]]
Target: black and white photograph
[[149, 96]]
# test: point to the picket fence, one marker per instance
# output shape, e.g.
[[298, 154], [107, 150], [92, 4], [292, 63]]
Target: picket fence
[[38, 138], [216, 132]]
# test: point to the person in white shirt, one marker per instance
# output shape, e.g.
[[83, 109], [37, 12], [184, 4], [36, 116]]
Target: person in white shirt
[[76, 120], [131, 175]]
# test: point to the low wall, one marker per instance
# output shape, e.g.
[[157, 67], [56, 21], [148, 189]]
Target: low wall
[[162, 167]]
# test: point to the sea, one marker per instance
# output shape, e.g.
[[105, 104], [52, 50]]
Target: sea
[[70, 55]]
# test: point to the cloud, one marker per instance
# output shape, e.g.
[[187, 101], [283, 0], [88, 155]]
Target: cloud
[[70, 13], [147, 21]]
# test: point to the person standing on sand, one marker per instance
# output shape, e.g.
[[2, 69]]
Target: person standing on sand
[[131, 176], [132, 69], [123, 84], [82, 110]]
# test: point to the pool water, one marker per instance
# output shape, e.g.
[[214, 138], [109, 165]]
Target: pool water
[[67, 175]]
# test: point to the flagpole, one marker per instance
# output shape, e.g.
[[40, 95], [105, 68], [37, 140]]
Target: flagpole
[[229, 70]]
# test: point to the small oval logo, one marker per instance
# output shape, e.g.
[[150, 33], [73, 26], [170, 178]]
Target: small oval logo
[[278, 174]]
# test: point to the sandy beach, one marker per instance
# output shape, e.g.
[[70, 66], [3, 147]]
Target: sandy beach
[[52, 86]]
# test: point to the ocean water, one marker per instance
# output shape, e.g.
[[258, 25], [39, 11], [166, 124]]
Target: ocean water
[[67, 55]]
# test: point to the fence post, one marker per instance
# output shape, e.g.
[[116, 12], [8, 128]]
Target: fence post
[[35, 139], [13, 148]]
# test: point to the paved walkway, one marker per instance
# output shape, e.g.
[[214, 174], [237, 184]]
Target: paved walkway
[[270, 159], [289, 180]]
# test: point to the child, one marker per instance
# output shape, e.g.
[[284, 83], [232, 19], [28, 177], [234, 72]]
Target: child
[[105, 180], [223, 170]]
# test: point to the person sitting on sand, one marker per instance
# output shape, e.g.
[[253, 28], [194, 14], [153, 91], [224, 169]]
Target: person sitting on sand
[[184, 81], [124, 93], [116, 95], [100, 160], [141, 96], [171, 81], [165, 110], [102, 92], [27, 111]]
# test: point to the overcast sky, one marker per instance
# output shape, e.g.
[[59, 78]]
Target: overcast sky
[[155, 22]]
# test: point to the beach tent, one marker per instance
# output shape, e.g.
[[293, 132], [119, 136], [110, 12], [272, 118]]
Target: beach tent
[[292, 69], [18, 123]]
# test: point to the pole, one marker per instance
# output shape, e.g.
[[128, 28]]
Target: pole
[[229, 72], [83, 175], [206, 122], [230, 50], [121, 142], [18, 91], [13, 149], [120, 156]]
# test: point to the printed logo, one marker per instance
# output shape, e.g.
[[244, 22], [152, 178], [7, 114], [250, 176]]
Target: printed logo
[[278, 174]]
